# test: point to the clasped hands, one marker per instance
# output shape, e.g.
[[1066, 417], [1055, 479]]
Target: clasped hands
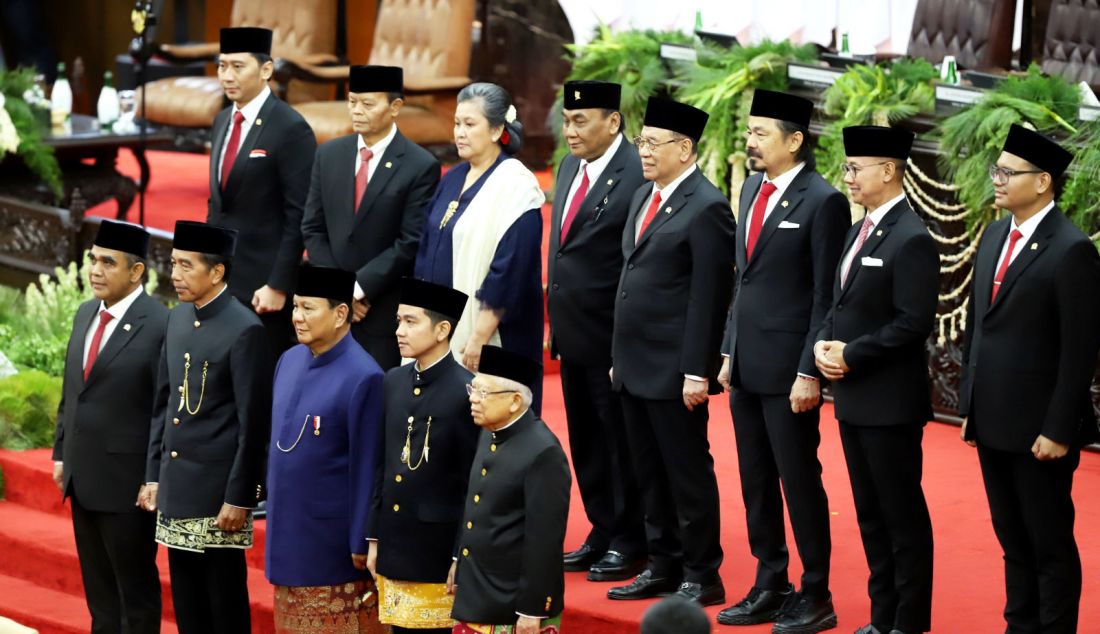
[[829, 359]]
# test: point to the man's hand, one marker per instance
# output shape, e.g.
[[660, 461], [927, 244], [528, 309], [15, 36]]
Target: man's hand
[[359, 310], [372, 557], [268, 300], [528, 625], [962, 434], [59, 476], [360, 562], [829, 359], [451, 587], [805, 394], [1046, 449], [695, 393], [724, 374], [231, 518], [147, 497]]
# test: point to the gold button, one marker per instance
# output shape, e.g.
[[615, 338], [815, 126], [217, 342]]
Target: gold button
[[411, 419], [416, 391], [484, 472], [175, 454], [397, 477], [469, 524], [477, 498], [396, 508], [465, 552], [196, 323], [493, 447], [181, 389], [175, 421]]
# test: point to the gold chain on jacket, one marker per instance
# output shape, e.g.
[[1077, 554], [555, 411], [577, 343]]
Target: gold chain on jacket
[[185, 400], [406, 452]]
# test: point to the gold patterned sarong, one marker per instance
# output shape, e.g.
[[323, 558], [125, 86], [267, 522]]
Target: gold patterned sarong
[[196, 534], [349, 608], [547, 626], [414, 605]]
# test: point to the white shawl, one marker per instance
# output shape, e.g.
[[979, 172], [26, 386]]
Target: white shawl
[[509, 192]]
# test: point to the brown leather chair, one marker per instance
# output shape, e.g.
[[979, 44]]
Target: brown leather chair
[[430, 39], [977, 32], [1072, 44], [303, 29]]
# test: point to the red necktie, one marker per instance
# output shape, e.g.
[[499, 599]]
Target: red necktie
[[1012, 238], [575, 205], [649, 214], [365, 156], [757, 222], [864, 231], [97, 339], [231, 147]]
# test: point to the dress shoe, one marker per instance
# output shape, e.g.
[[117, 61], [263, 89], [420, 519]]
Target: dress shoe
[[713, 594], [806, 615], [868, 629], [758, 606], [644, 586], [615, 567], [581, 559]]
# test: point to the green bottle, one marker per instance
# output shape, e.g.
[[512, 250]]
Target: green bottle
[[844, 51], [952, 73]]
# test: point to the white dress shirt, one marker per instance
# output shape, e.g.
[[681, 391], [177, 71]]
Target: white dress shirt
[[781, 182], [117, 311], [1027, 229], [595, 170], [876, 217], [666, 194], [251, 110]]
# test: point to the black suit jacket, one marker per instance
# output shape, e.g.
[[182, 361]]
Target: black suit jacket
[[674, 291], [1029, 359], [217, 454], [378, 242], [264, 196], [884, 315], [582, 275], [783, 293], [101, 438]]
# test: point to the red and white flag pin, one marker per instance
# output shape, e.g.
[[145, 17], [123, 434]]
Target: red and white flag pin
[[316, 425], [257, 154]]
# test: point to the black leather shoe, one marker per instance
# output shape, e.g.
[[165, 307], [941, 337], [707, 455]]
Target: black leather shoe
[[758, 606], [644, 586], [581, 559], [868, 629], [615, 567], [713, 594], [806, 615]]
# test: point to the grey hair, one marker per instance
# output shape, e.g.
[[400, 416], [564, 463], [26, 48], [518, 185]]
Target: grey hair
[[495, 102]]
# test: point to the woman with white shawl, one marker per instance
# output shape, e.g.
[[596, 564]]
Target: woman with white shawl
[[484, 232]]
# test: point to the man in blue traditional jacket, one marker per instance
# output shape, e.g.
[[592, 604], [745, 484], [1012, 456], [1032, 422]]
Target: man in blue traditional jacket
[[325, 419]]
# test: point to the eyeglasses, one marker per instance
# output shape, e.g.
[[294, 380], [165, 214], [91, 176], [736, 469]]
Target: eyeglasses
[[645, 144], [480, 391], [1000, 174], [853, 169]]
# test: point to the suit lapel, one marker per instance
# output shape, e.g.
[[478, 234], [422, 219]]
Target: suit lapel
[[784, 207], [128, 326], [872, 243], [1028, 253], [985, 267], [748, 193], [637, 206], [598, 192], [670, 207], [85, 317], [339, 213], [570, 165], [240, 163], [387, 165], [218, 139]]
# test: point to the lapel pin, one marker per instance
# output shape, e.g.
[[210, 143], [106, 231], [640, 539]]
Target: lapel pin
[[389, 164], [126, 327], [668, 210], [259, 121], [879, 232], [784, 203], [1034, 246], [605, 200], [610, 181]]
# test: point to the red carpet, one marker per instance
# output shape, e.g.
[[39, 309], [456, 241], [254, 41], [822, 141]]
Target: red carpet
[[40, 581]]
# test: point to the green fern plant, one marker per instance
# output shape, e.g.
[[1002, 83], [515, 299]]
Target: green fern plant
[[38, 157], [722, 85], [882, 94], [972, 139], [1080, 199]]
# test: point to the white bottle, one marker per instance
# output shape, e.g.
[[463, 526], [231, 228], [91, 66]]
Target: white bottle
[[107, 106], [61, 99]]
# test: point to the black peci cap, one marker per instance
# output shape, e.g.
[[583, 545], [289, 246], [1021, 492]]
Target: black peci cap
[[509, 365], [122, 236], [326, 282], [444, 300], [246, 39], [1037, 149], [675, 116], [376, 79], [591, 94], [780, 105], [203, 238], [873, 140]]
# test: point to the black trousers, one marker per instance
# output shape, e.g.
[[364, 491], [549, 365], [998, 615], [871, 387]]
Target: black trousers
[[601, 460], [885, 465], [280, 330], [1033, 513], [675, 473], [210, 591], [777, 447], [383, 348], [118, 561]]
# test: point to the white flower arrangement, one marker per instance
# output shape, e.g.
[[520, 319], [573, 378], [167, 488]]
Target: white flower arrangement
[[510, 116]]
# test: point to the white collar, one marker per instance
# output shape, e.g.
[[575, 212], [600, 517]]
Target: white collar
[[378, 148], [416, 364], [224, 286], [668, 190], [880, 212], [518, 416], [1031, 224], [783, 181], [251, 110], [122, 305], [596, 167]]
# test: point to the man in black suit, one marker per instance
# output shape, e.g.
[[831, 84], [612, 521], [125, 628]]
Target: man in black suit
[[673, 295], [595, 183], [789, 240], [1032, 333], [872, 347], [261, 154], [366, 205], [99, 451], [206, 453]]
